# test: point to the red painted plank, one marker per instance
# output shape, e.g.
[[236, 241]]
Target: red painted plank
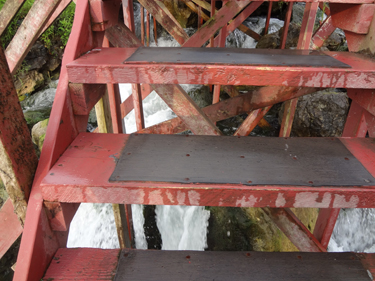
[[217, 21], [325, 224], [286, 25], [102, 14], [105, 66], [83, 264], [353, 18], [10, 227], [8, 11], [288, 117], [322, 34], [294, 229], [307, 26], [355, 125], [60, 8], [88, 182], [364, 98], [60, 215], [85, 96], [128, 12], [25, 37]]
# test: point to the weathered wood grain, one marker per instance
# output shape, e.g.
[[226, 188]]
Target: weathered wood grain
[[18, 159]]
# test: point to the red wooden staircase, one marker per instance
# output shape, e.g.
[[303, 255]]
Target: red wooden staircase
[[204, 169]]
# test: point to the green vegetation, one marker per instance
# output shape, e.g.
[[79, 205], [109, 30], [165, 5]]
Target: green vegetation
[[15, 23], [58, 31]]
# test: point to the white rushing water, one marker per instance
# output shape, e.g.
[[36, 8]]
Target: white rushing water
[[184, 227]]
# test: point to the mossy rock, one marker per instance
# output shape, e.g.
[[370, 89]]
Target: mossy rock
[[250, 229], [33, 117], [38, 133], [3, 194]]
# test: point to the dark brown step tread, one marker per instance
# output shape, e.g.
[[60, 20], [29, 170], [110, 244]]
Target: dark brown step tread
[[94, 264]]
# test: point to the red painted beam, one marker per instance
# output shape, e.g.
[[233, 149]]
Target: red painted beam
[[18, 159], [294, 229], [10, 227], [323, 33], [351, 17], [88, 182], [103, 14], [325, 225], [85, 96], [251, 121], [25, 37], [105, 66], [364, 98]]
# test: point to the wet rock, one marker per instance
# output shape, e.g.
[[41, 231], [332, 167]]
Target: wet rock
[[27, 83], [3, 194], [250, 229], [293, 35], [269, 41], [53, 64], [200, 94], [321, 114], [37, 57], [37, 107], [38, 133]]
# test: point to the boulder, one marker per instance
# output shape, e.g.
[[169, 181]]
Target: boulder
[[27, 83], [250, 229], [269, 41], [37, 56], [38, 133], [321, 114]]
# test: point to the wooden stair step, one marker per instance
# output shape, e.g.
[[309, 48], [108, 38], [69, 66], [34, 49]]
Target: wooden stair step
[[301, 174], [129, 264], [110, 65]]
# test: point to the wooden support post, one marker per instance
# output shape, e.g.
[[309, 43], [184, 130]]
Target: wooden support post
[[25, 37], [142, 25], [268, 18], [10, 227], [200, 19], [323, 33], [155, 31], [213, 9], [286, 25], [18, 159], [303, 43], [128, 11], [325, 224], [148, 29], [7, 13]]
